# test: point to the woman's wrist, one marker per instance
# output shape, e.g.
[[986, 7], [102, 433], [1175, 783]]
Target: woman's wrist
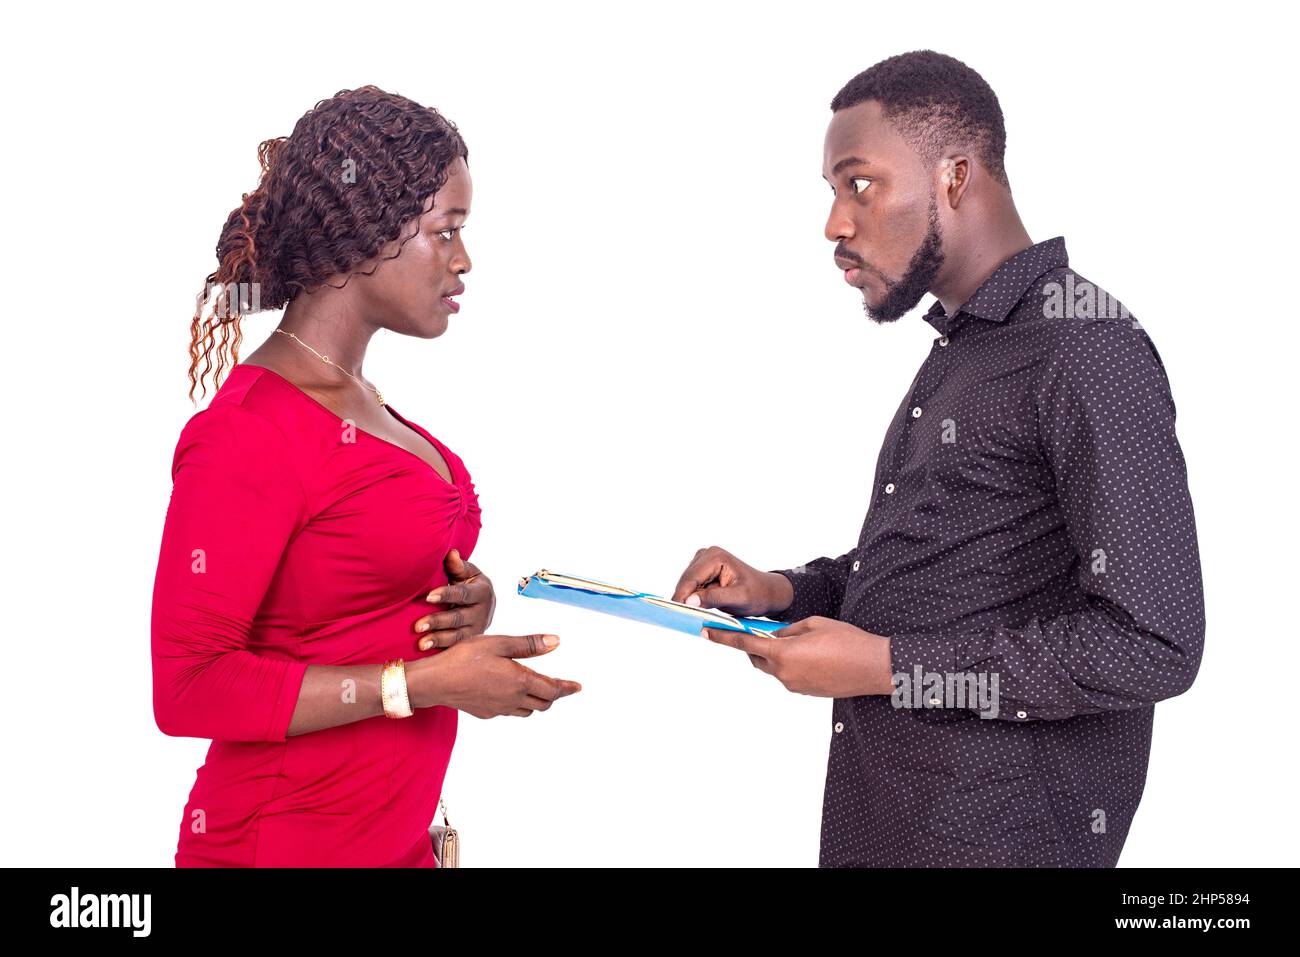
[[422, 684]]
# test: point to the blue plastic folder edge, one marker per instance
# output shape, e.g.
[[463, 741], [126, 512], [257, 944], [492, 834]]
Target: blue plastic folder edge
[[633, 608]]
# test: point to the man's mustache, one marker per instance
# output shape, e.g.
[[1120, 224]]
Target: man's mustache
[[844, 254]]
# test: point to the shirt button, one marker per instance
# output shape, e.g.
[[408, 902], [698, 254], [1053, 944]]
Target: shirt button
[[916, 412], [943, 340], [889, 489], [856, 564], [839, 726], [1022, 714]]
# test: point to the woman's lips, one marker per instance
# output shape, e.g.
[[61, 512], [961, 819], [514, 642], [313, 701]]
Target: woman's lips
[[452, 304]]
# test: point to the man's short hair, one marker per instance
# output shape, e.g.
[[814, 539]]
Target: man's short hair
[[935, 102]]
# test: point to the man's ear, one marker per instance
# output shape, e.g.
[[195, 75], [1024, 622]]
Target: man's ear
[[954, 177]]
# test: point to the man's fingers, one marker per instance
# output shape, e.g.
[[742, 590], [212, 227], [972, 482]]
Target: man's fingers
[[793, 629], [750, 644], [703, 569], [721, 596]]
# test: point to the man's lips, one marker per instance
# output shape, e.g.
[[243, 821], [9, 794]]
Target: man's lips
[[852, 270]]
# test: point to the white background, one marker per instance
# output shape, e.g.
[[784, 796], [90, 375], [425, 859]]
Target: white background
[[647, 243]]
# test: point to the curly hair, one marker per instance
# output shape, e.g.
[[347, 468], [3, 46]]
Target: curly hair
[[934, 101], [332, 194]]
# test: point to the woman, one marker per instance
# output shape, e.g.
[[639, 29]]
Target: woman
[[313, 613]]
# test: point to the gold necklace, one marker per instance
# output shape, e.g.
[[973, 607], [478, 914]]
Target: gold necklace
[[327, 359]]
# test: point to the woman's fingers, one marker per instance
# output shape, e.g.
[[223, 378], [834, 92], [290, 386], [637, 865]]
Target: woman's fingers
[[445, 638], [459, 593], [445, 628], [470, 614], [534, 703], [544, 686], [448, 620], [474, 595], [524, 646]]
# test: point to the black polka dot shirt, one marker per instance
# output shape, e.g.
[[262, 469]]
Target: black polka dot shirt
[[1030, 550]]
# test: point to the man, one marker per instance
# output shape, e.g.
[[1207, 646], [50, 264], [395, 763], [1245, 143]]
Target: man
[[1026, 583]]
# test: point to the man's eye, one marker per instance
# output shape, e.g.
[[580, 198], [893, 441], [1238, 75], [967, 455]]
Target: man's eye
[[859, 179]]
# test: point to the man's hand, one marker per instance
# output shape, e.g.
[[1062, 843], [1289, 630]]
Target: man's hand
[[716, 578], [818, 656], [475, 601]]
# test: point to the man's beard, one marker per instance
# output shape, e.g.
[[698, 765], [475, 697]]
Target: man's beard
[[902, 295]]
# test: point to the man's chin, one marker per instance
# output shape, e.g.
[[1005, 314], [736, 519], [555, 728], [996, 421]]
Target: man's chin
[[881, 312]]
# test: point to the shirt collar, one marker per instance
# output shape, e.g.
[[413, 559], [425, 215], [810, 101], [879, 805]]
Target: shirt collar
[[998, 295]]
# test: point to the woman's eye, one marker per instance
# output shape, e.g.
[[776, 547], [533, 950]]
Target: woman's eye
[[860, 179], [449, 234]]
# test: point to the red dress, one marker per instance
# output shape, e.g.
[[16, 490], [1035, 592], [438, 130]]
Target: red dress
[[294, 538]]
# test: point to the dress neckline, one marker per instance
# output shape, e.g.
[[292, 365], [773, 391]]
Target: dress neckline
[[442, 449]]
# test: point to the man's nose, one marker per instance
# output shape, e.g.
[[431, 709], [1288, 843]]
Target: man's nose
[[838, 225]]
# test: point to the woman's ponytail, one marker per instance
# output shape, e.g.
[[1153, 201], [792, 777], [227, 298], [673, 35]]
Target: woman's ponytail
[[234, 289]]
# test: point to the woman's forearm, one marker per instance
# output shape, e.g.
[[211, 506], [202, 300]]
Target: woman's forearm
[[332, 695]]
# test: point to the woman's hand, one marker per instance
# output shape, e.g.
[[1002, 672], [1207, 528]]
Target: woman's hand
[[471, 592], [479, 676]]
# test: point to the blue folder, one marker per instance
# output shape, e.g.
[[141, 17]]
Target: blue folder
[[639, 606]]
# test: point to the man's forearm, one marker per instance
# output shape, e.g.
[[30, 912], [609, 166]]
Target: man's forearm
[[1084, 662]]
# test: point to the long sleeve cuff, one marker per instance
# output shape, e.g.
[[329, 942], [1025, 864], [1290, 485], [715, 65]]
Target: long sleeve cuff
[[812, 596], [287, 701]]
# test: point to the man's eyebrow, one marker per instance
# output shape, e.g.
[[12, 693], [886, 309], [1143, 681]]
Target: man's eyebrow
[[847, 162]]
